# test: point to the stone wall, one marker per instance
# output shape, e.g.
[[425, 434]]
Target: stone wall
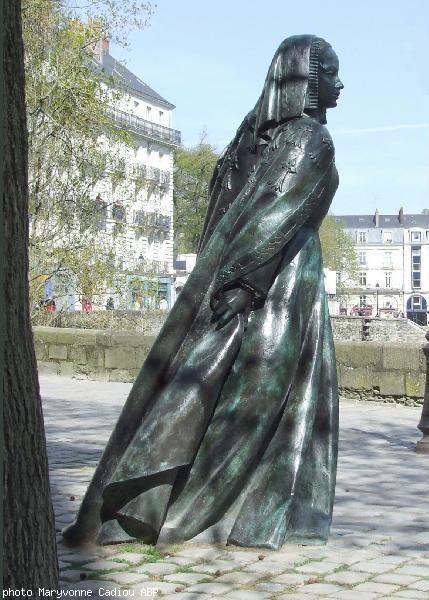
[[389, 330], [390, 371], [90, 353], [393, 372]]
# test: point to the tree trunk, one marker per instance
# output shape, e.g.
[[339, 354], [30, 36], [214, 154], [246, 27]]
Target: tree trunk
[[29, 532]]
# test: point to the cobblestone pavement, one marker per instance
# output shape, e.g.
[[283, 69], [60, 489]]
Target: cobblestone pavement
[[379, 545]]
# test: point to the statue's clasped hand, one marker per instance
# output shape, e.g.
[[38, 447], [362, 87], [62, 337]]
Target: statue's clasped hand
[[231, 303]]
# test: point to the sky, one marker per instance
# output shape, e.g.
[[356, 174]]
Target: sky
[[210, 58]]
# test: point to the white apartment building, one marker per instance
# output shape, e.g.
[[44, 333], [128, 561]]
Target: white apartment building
[[138, 207], [393, 255]]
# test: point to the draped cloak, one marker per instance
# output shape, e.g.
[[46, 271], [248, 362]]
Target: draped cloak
[[236, 428]]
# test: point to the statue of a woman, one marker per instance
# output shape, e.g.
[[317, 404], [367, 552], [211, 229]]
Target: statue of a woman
[[231, 427]]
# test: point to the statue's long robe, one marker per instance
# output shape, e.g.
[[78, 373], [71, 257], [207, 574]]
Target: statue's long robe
[[240, 422]]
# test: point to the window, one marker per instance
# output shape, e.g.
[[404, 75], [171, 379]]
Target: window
[[100, 214], [362, 237], [416, 266], [362, 301], [387, 259], [338, 277], [387, 279], [118, 213], [417, 302], [387, 237], [140, 217], [362, 257], [362, 278], [416, 236]]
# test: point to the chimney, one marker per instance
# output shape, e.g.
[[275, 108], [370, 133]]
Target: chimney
[[101, 48], [401, 215], [376, 218]]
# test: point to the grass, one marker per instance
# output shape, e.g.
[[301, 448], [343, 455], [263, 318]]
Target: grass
[[184, 569]]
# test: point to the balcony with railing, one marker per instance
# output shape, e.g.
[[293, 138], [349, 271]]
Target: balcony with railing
[[146, 128]]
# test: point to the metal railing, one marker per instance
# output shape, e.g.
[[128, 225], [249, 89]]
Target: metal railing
[[143, 127]]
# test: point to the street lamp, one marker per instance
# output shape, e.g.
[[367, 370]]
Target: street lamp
[[377, 285]]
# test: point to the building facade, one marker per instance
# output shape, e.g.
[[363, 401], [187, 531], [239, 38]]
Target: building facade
[[136, 207], [393, 258]]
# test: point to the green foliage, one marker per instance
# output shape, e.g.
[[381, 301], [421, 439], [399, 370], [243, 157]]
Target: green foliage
[[193, 169], [73, 141], [338, 252]]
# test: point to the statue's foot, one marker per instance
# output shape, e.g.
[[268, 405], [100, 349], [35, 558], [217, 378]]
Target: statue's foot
[[76, 535], [112, 533]]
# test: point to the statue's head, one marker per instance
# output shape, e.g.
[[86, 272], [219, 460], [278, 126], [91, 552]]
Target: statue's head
[[303, 77], [324, 85]]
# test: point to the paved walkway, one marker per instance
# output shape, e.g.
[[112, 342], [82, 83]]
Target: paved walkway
[[379, 546]]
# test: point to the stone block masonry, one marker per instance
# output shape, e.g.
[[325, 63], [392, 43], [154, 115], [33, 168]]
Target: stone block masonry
[[391, 372]]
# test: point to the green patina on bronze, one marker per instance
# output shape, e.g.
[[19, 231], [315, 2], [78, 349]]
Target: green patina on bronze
[[231, 427]]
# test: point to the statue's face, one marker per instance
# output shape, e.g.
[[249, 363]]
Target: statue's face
[[330, 84]]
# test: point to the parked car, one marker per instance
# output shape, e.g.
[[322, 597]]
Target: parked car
[[362, 311]]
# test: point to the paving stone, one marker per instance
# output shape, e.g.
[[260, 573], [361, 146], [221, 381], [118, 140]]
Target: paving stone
[[271, 588], [290, 579], [354, 595], [158, 569], [103, 565], [318, 567], [71, 575], [395, 578], [188, 596], [78, 557], [127, 578], [180, 561], [213, 567], [369, 567], [187, 578], [133, 558], [320, 589], [297, 596], [419, 570], [211, 588], [242, 557], [393, 559], [382, 485], [377, 588], [347, 577], [422, 585], [239, 577], [266, 568], [411, 595], [288, 560], [93, 585], [246, 595], [200, 553], [148, 589]]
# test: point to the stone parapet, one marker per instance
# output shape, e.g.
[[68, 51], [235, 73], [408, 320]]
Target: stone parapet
[[374, 369]]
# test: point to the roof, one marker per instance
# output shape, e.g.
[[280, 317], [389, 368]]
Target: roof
[[385, 221], [114, 68]]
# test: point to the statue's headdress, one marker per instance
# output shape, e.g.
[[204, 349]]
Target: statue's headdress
[[291, 84]]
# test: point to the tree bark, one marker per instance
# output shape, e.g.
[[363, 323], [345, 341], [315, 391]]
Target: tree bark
[[29, 531]]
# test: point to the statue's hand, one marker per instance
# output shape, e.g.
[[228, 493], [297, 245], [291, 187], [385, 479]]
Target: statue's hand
[[231, 303]]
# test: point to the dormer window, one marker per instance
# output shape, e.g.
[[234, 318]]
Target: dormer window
[[416, 236]]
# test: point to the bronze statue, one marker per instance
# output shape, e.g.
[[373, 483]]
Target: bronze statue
[[231, 427]]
